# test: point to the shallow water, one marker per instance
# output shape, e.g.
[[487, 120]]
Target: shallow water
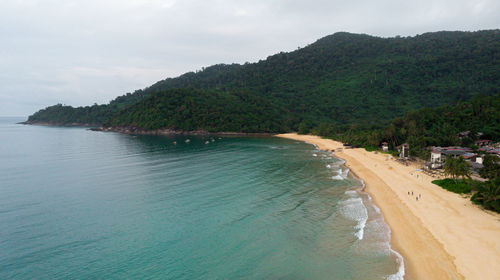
[[81, 204]]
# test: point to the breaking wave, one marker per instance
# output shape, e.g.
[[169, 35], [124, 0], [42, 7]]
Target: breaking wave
[[354, 209]]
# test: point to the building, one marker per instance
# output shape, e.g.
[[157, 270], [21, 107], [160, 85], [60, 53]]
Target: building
[[385, 146], [463, 134], [483, 143], [437, 159], [490, 150], [475, 166], [404, 151], [439, 154]]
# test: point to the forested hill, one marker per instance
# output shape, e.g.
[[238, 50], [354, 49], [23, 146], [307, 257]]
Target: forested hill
[[340, 79], [440, 126]]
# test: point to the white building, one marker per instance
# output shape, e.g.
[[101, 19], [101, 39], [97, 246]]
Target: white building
[[404, 151], [385, 146]]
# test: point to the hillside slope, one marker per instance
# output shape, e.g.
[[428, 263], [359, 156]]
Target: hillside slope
[[341, 79], [426, 127]]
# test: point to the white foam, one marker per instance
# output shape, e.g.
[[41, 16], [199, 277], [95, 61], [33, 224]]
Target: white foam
[[354, 209], [399, 275], [373, 204], [341, 174], [337, 177], [341, 161], [345, 172], [363, 218]]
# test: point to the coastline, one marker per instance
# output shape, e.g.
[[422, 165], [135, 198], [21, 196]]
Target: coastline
[[167, 131], [141, 131], [440, 236], [59, 124]]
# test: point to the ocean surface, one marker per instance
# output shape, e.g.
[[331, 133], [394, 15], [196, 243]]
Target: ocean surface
[[78, 204]]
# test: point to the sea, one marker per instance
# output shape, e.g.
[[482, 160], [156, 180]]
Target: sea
[[80, 204]]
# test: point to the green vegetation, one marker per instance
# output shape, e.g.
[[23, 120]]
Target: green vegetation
[[430, 127], [351, 87], [343, 85], [88, 115], [491, 167], [486, 193], [456, 167], [454, 186], [209, 110]]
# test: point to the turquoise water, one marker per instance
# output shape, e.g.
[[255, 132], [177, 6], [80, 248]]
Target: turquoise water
[[81, 204]]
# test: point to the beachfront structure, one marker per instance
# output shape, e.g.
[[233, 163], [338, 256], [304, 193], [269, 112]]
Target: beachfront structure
[[439, 154], [483, 143], [475, 166], [437, 159], [385, 146], [491, 150], [404, 151], [479, 159]]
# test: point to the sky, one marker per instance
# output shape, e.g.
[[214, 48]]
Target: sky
[[81, 52]]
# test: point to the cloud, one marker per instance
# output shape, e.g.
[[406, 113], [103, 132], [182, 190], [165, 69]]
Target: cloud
[[83, 51]]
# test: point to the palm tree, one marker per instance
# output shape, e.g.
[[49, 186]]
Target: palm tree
[[450, 167], [488, 195], [462, 168], [456, 167]]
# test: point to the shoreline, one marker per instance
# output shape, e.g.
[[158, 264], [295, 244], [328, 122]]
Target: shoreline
[[89, 125], [441, 235], [141, 131], [399, 258], [395, 250], [167, 131]]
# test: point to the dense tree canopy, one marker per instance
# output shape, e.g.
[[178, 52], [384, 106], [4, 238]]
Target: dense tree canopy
[[491, 167], [430, 126], [209, 110], [339, 80]]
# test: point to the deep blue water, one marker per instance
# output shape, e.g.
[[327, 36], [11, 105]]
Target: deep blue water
[[78, 204]]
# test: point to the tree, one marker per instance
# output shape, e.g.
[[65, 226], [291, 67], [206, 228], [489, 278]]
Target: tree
[[456, 167], [491, 167], [489, 195], [462, 168], [450, 167]]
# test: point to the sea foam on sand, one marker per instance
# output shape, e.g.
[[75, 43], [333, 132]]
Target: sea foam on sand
[[354, 209]]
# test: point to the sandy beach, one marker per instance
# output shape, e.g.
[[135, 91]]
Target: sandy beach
[[441, 235]]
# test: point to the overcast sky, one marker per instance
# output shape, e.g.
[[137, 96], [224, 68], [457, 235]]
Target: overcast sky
[[90, 51]]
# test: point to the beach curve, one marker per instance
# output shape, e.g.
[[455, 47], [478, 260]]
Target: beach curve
[[442, 235]]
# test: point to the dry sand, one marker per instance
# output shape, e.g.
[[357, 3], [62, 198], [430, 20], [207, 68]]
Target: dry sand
[[442, 235]]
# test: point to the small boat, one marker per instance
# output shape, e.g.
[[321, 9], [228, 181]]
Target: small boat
[[187, 141], [206, 142], [175, 143]]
